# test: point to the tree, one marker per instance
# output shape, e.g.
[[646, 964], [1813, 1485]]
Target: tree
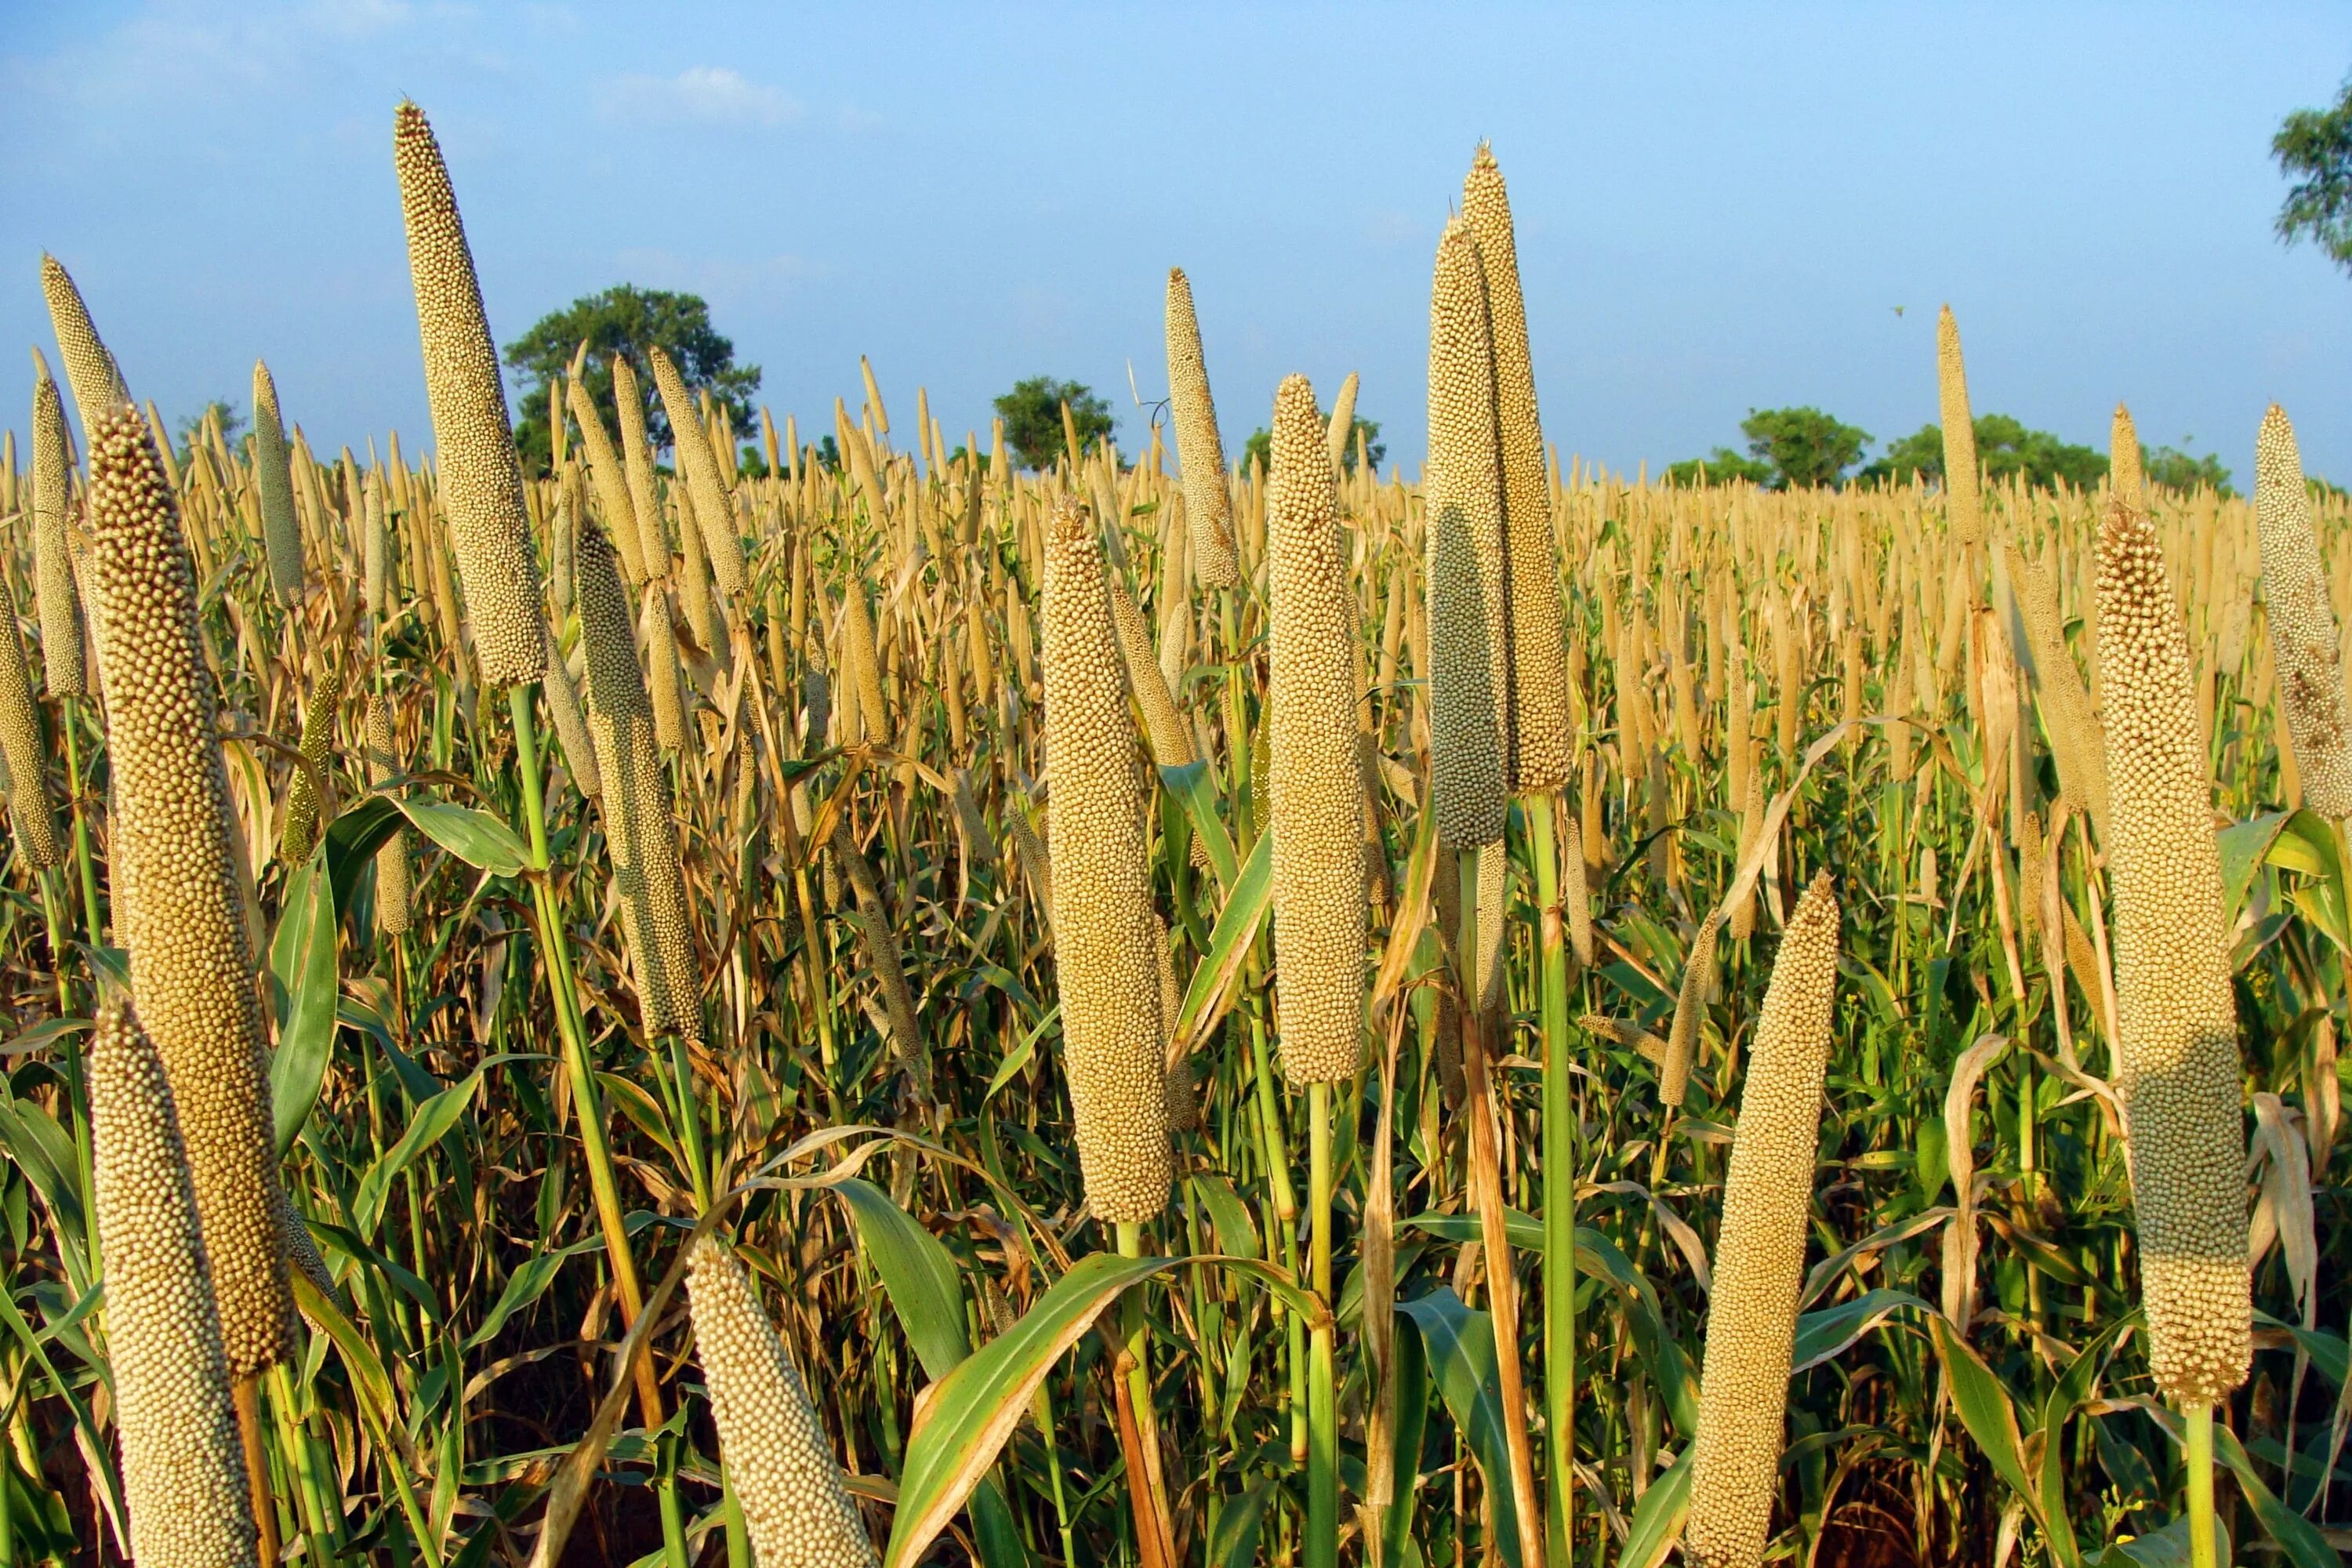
[[2314, 148], [626, 320], [1804, 446], [2004, 446], [1721, 467], [1032, 413], [192, 426], [1259, 447]]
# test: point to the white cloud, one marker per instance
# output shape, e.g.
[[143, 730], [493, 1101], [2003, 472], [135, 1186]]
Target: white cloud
[[700, 95]]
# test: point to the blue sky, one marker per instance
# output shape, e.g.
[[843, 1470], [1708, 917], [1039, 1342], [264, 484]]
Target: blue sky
[[1718, 207]]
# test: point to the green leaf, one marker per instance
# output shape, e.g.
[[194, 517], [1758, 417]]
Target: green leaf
[[1824, 1335], [1229, 945], [1985, 1409], [432, 1122], [1190, 784], [1461, 1347], [304, 979], [476, 837], [1659, 1517], [975, 1407], [919, 1276]]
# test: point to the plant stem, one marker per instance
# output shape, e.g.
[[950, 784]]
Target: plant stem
[[2200, 1486], [1559, 1167], [1322, 1439], [587, 1103]]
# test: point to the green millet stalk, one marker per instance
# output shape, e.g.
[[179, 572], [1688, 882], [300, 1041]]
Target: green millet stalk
[[638, 467], [90, 370], [25, 750], [191, 967], [1759, 1252], [1108, 977], [54, 589], [1200, 452], [281, 534], [611, 479], [1468, 697], [640, 829], [2071, 723], [1542, 752], [301, 831], [1316, 784], [183, 1470], [1963, 503], [2177, 1064], [2302, 620], [796, 1508], [392, 879], [706, 486], [481, 478]]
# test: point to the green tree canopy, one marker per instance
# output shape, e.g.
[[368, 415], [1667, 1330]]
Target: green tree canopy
[[628, 320], [2313, 149], [1032, 413], [2004, 446], [1259, 447]]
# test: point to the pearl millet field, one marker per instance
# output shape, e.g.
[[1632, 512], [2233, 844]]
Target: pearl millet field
[[1177, 1008]]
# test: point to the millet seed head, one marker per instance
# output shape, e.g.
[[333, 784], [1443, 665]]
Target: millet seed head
[[1759, 1252], [1315, 788], [2302, 621], [1103, 930], [480, 477], [54, 588], [2178, 1066], [183, 1469], [191, 967], [281, 534], [1469, 705], [1542, 745], [1209, 506], [778, 1460]]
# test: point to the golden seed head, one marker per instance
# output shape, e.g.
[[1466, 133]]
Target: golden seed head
[[481, 478], [392, 877], [1759, 1252], [1469, 711], [1315, 788], [2302, 621], [183, 1469], [90, 370], [611, 479], [640, 826], [2127, 478], [1209, 506], [53, 575], [2178, 1056], [281, 534], [777, 1459], [1103, 931], [192, 968], [1541, 753], [706, 486], [1961, 501], [301, 831]]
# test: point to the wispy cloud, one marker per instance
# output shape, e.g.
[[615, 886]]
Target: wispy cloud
[[700, 95]]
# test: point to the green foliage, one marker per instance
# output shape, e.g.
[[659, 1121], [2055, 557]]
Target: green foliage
[[1032, 413], [2313, 149], [1259, 447], [628, 320], [2005, 446], [2177, 470], [1723, 466]]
